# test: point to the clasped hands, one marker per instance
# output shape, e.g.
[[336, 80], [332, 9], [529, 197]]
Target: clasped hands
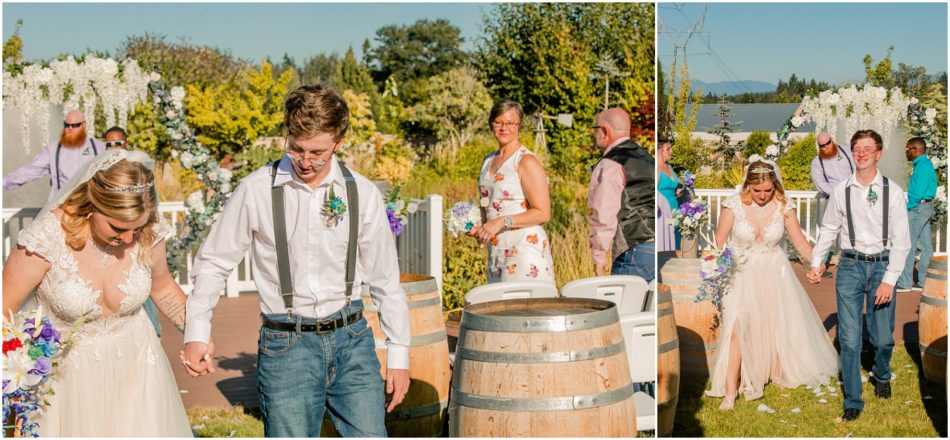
[[486, 232], [196, 357]]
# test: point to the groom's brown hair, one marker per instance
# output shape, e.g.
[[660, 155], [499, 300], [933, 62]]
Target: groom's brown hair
[[311, 110], [861, 134]]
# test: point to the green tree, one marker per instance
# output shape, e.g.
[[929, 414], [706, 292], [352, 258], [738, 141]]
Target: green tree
[[229, 117], [542, 55], [181, 63], [455, 106], [683, 105], [415, 52], [879, 74], [796, 164], [318, 69], [13, 47], [723, 130], [757, 142]]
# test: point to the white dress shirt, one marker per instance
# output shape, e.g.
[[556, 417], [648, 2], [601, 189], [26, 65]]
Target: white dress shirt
[[868, 224], [317, 254]]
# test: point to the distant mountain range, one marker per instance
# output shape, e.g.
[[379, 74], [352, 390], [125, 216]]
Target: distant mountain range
[[731, 88]]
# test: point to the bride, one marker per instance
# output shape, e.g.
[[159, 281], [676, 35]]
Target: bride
[[94, 254], [770, 330]]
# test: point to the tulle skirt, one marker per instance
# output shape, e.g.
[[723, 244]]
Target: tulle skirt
[[780, 335], [115, 382]]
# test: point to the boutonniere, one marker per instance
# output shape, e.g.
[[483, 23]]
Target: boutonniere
[[872, 195], [333, 208]]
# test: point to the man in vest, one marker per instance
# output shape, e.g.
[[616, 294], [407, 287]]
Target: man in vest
[[832, 165], [870, 213], [59, 159], [622, 200], [316, 231]]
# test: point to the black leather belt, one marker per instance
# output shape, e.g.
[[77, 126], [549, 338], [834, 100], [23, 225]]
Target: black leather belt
[[325, 326], [881, 256]]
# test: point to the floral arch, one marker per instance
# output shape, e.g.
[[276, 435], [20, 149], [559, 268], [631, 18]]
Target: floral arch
[[116, 87]]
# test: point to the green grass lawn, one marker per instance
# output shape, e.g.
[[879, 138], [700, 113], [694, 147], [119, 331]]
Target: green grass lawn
[[225, 422], [917, 408]]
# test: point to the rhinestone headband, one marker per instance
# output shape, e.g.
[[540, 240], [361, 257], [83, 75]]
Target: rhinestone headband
[[132, 189], [760, 170]]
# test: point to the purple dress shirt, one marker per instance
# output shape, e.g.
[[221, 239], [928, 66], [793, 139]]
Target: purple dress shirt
[[826, 173], [44, 162]]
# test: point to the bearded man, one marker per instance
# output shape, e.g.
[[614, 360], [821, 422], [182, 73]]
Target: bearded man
[[58, 159], [831, 166]]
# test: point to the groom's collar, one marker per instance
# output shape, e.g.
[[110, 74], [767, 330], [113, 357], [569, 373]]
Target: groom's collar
[[878, 179]]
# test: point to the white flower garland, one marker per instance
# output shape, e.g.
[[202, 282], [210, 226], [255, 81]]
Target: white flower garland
[[87, 84]]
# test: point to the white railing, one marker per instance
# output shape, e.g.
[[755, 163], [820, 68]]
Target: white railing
[[806, 204], [419, 246]]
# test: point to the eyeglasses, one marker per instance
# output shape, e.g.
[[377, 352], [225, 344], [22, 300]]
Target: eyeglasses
[[498, 124], [824, 144], [110, 144], [594, 128], [863, 151], [76, 125]]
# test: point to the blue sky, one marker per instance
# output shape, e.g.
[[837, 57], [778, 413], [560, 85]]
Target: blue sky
[[250, 31], [768, 42]]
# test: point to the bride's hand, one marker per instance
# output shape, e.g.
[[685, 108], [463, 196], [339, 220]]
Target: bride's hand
[[196, 358]]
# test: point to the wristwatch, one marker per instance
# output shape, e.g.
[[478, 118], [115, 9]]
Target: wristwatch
[[509, 221]]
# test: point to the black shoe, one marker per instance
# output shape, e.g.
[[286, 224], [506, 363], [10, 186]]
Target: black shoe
[[851, 414], [882, 389]]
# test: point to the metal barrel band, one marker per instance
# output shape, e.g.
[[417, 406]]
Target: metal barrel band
[[548, 357], [933, 301], [668, 346], [936, 276], [431, 409], [520, 324], [411, 304], [665, 312], [417, 287], [542, 403], [932, 351], [664, 297], [670, 404]]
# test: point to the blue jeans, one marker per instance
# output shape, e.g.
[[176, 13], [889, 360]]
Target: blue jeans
[[639, 260], [919, 220], [856, 286], [152, 311], [303, 375]]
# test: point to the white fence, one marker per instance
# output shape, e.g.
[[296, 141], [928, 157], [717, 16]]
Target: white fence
[[419, 246], [806, 204]]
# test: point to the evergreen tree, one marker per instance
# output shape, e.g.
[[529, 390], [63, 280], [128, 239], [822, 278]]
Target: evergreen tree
[[723, 131]]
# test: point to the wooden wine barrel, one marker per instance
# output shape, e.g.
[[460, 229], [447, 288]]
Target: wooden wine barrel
[[667, 363], [422, 412], [695, 322], [542, 367], [932, 324]]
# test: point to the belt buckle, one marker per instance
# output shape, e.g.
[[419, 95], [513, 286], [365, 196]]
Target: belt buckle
[[328, 326]]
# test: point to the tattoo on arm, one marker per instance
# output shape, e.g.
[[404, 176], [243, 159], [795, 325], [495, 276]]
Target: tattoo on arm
[[174, 308]]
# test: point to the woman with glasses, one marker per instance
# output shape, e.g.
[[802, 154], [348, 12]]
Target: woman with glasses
[[513, 194]]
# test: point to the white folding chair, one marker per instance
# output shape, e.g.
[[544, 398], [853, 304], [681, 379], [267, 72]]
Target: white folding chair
[[639, 333], [510, 290], [629, 292]]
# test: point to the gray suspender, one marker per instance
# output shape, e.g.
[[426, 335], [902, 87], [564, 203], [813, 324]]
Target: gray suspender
[[847, 202], [280, 236]]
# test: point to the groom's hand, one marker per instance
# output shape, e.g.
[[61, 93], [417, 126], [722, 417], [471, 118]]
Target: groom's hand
[[885, 292], [397, 384], [197, 358], [814, 275]]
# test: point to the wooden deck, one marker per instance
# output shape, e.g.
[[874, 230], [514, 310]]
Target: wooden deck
[[236, 325]]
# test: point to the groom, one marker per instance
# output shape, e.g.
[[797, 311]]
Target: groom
[[315, 231], [868, 210]]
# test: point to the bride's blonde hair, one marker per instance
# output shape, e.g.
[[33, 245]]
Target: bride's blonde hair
[[761, 172], [107, 193]]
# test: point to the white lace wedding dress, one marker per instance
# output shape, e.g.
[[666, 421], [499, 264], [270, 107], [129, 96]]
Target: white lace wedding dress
[[116, 381], [781, 336]]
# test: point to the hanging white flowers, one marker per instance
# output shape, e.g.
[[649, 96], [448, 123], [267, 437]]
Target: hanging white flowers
[[88, 84]]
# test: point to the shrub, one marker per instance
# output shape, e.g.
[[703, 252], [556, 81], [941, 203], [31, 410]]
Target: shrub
[[796, 164], [757, 142]]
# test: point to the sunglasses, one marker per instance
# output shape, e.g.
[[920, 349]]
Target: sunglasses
[[110, 144], [76, 125], [824, 144]]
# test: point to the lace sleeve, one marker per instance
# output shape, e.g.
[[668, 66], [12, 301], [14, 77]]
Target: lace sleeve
[[734, 203], [163, 230], [789, 207], [43, 236]]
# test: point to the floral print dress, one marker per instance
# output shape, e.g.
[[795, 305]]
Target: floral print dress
[[519, 254]]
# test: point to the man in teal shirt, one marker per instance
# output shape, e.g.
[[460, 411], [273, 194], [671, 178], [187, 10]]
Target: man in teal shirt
[[921, 190]]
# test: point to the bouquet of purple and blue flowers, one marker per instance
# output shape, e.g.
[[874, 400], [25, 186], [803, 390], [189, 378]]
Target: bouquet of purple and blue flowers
[[398, 210], [691, 216], [715, 271], [462, 217], [31, 348]]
